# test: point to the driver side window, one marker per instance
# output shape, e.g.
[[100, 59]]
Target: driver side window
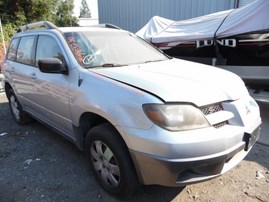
[[47, 47]]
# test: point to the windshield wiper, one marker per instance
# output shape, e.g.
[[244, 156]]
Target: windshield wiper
[[107, 65], [153, 61], [111, 65]]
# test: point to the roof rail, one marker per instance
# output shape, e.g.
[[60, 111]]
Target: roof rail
[[45, 24], [112, 26]]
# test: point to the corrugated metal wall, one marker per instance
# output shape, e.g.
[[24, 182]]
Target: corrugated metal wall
[[134, 14], [245, 2]]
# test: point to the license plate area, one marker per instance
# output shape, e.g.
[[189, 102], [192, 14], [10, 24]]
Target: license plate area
[[250, 139]]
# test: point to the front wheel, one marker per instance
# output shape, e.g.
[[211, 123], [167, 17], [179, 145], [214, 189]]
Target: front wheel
[[16, 109], [110, 160]]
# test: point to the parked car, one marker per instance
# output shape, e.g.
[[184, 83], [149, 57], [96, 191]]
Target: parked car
[[139, 115]]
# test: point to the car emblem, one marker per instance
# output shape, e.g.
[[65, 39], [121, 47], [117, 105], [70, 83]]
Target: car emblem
[[247, 109]]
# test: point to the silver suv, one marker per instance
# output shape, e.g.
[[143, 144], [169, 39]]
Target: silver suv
[[139, 115]]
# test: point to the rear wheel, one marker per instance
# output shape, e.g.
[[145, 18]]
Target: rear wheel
[[110, 160], [16, 109]]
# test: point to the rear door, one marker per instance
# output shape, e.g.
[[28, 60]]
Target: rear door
[[20, 62]]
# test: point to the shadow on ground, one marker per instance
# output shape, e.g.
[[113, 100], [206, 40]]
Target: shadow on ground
[[37, 164]]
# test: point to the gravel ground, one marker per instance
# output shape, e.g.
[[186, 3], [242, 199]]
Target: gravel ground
[[38, 165]]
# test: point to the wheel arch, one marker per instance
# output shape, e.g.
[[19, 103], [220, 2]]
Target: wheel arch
[[87, 121]]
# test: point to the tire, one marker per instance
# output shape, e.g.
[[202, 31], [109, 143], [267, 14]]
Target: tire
[[111, 161], [16, 109]]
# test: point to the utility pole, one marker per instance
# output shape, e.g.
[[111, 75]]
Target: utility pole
[[4, 45], [3, 38]]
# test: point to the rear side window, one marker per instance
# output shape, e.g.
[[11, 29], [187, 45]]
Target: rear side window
[[11, 55], [25, 50]]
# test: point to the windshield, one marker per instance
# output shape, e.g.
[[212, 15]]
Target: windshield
[[111, 48]]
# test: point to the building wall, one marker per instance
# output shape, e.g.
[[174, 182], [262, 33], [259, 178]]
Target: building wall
[[134, 14], [245, 2]]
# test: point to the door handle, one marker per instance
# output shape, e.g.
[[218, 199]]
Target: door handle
[[33, 76], [12, 70]]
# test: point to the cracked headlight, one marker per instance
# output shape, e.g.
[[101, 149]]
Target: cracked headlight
[[176, 117]]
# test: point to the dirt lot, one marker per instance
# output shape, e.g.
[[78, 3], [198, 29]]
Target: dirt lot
[[38, 165]]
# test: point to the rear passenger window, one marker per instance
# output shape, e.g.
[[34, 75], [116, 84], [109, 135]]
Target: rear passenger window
[[11, 55], [25, 50], [47, 47]]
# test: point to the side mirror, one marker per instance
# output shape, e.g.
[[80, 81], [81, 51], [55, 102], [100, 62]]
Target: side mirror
[[52, 65]]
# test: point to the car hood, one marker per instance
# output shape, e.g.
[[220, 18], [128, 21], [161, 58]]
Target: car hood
[[179, 81]]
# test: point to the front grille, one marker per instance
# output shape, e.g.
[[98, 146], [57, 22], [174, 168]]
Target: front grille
[[218, 125], [213, 109]]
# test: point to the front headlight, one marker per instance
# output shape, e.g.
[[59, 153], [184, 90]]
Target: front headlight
[[176, 117]]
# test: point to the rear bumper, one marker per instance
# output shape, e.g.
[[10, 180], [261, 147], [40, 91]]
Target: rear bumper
[[180, 172]]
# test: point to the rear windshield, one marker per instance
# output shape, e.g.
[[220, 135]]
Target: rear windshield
[[109, 49]]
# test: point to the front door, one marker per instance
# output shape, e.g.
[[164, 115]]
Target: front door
[[51, 98]]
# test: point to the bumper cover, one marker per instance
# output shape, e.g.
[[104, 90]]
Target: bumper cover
[[180, 172]]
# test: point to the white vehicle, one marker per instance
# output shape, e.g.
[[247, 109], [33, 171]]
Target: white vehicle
[[139, 115]]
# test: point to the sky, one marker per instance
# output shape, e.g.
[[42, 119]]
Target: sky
[[92, 4]]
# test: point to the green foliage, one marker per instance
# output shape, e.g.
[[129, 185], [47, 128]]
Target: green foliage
[[14, 13], [84, 10], [20, 12], [9, 30], [64, 14]]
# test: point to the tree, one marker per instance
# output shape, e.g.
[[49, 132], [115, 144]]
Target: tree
[[15, 13], [84, 10], [64, 14], [20, 12]]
